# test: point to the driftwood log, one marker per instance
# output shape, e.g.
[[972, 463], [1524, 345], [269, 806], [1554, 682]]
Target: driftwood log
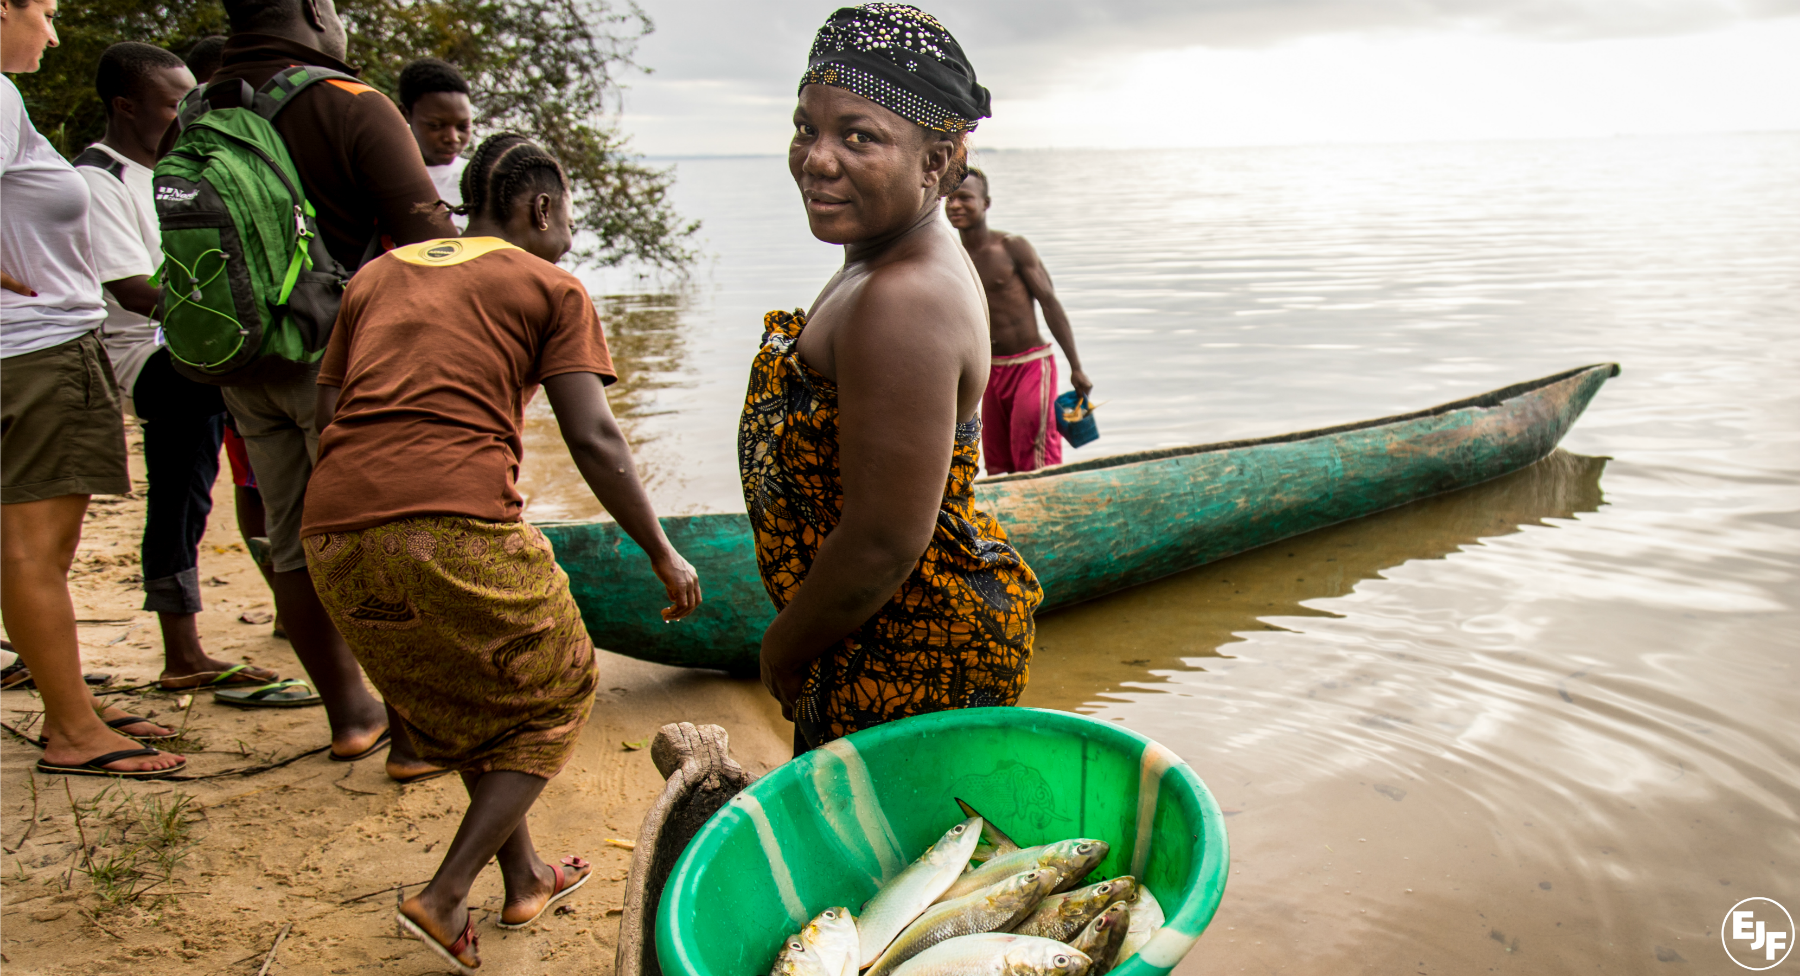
[[702, 777]]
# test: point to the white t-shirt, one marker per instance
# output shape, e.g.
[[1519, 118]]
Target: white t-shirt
[[43, 238], [126, 243], [448, 180]]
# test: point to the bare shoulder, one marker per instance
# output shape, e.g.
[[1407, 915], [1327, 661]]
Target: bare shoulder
[[1019, 248], [915, 299]]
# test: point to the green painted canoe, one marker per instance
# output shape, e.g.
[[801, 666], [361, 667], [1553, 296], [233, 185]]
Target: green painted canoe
[[830, 827], [1096, 527]]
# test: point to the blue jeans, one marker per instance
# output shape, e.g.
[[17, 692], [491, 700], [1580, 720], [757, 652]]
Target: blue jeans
[[184, 424]]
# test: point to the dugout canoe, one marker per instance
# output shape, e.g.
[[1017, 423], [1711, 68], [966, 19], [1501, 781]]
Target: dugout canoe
[[1095, 527]]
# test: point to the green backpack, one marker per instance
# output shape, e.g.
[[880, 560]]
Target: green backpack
[[249, 291]]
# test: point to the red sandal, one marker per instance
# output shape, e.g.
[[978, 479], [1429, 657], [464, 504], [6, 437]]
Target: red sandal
[[449, 953], [558, 892]]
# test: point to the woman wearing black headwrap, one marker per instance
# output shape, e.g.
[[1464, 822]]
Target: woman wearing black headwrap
[[859, 436]]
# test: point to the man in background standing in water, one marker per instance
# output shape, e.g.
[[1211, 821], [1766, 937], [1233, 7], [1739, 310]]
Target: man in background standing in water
[[1018, 423]]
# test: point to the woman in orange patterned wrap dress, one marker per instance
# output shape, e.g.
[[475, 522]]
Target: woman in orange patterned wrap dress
[[859, 438]]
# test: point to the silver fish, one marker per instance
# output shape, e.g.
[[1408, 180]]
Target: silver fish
[[1060, 917], [997, 954], [1074, 858], [994, 908], [1101, 938], [832, 938], [994, 841], [795, 959], [914, 889], [1146, 918]]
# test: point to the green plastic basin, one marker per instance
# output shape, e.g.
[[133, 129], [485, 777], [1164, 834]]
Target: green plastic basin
[[829, 827]]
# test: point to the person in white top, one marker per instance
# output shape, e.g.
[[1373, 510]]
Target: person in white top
[[434, 97], [140, 86], [62, 432]]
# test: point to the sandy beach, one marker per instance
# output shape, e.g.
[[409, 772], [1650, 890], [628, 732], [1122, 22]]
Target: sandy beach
[[299, 844]]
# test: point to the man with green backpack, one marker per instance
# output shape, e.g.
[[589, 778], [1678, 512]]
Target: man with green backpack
[[283, 176]]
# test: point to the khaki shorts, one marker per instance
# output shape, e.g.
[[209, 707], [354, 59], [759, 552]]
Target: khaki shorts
[[62, 427], [276, 422]]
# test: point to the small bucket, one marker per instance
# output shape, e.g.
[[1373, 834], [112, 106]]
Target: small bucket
[[1075, 419]]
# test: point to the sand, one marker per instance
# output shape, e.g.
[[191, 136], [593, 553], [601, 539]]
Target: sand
[[295, 845]]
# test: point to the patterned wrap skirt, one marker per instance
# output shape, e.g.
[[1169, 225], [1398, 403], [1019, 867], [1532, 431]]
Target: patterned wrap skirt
[[468, 629], [958, 631]]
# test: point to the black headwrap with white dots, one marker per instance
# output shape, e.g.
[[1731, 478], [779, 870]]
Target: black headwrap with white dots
[[900, 58]]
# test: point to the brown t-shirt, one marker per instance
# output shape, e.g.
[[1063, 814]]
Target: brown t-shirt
[[438, 347], [358, 161]]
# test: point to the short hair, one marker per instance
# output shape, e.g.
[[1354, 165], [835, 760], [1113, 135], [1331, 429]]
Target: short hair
[[205, 57], [426, 75], [250, 15], [986, 187], [503, 168], [126, 66]]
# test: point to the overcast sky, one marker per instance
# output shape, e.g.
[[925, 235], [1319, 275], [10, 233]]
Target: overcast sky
[[1155, 73]]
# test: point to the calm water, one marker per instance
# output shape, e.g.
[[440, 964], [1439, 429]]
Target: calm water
[[1544, 725]]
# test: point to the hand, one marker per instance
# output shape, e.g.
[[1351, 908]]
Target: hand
[[16, 286], [1080, 381], [681, 583], [783, 679]]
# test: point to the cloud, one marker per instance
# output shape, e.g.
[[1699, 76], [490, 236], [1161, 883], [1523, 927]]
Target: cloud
[[725, 70], [766, 41]]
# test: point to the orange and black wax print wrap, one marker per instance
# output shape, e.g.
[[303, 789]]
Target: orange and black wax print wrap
[[958, 631], [900, 58]]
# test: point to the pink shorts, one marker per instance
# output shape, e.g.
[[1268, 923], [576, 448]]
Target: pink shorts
[[1018, 416]]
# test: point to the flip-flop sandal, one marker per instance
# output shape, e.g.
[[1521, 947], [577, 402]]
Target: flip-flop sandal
[[118, 725], [97, 766], [292, 693], [558, 893], [448, 953], [17, 675], [422, 777], [386, 738], [230, 677]]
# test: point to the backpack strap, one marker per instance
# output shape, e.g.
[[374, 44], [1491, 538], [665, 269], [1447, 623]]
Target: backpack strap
[[267, 101], [278, 92], [100, 159]]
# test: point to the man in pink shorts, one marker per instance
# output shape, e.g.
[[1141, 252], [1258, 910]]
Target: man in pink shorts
[[1018, 418]]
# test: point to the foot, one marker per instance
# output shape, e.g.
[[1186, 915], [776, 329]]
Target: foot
[[355, 742], [146, 728], [528, 901], [411, 769], [445, 927], [73, 750], [187, 675]]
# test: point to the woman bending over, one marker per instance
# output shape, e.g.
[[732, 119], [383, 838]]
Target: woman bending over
[[454, 606]]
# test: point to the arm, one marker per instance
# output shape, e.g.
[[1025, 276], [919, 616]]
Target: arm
[[1037, 281], [325, 405], [16, 286], [604, 459], [135, 294], [393, 174], [897, 386]]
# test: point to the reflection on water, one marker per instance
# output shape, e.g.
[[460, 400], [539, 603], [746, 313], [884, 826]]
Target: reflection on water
[[1123, 640], [1507, 730], [647, 342]]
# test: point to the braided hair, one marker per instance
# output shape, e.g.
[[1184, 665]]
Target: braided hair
[[503, 168]]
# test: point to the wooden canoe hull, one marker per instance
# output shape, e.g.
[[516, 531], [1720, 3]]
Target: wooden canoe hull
[[1096, 527]]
